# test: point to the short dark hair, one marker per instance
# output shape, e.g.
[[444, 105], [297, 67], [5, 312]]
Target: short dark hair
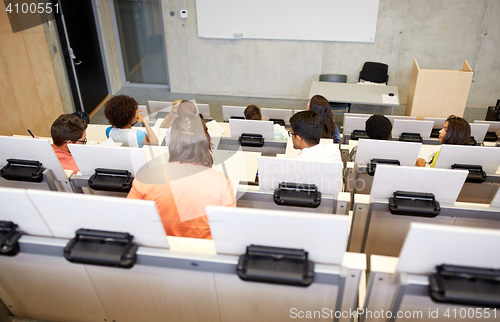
[[252, 112], [458, 131], [67, 127], [120, 110], [378, 127], [308, 125]]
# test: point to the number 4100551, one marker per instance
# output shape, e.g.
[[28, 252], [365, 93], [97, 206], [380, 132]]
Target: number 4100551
[[471, 313], [32, 8]]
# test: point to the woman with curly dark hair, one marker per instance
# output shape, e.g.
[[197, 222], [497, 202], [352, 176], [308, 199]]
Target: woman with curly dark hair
[[122, 112]]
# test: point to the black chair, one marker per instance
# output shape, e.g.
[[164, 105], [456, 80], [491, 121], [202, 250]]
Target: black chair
[[374, 72], [336, 78]]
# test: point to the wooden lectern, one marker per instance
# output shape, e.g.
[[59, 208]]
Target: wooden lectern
[[438, 93]]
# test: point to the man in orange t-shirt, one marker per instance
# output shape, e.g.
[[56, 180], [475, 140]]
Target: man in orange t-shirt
[[68, 129]]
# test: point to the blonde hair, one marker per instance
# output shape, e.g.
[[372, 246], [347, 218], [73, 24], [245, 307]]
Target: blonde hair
[[175, 104], [167, 122], [189, 141], [187, 107]]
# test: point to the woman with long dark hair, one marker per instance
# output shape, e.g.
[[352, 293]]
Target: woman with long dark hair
[[456, 130], [320, 105]]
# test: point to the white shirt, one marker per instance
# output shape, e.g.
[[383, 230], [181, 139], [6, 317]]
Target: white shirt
[[320, 152]]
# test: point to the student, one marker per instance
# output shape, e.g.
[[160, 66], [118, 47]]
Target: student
[[307, 127], [320, 105], [122, 112], [377, 127], [167, 122], [183, 107], [68, 129], [252, 112], [456, 130], [187, 107], [186, 184]]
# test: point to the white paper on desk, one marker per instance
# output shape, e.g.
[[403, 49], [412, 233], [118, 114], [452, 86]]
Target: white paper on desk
[[238, 165], [214, 129], [371, 83], [108, 142], [426, 151], [386, 99]]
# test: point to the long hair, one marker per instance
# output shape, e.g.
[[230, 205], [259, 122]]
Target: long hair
[[320, 105], [189, 141], [187, 107], [458, 131], [167, 122]]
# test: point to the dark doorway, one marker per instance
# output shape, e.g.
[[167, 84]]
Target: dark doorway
[[82, 54]]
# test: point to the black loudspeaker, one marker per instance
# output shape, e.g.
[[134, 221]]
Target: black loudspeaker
[[493, 113]]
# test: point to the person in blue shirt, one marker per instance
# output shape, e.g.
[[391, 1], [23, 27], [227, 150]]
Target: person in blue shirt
[[122, 112], [320, 105]]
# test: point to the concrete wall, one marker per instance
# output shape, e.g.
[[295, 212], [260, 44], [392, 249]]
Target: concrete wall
[[439, 34]]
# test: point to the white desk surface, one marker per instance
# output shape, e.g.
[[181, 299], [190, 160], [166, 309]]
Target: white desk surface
[[238, 127], [97, 133], [429, 245], [225, 127], [64, 213], [238, 165], [424, 128], [443, 183], [371, 94], [18, 208], [28, 148], [327, 176], [323, 236], [405, 152]]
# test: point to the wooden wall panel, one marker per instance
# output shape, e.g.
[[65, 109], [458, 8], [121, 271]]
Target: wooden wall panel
[[43, 73], [28, 79], [11, 119], [438, 93], [21, 76]]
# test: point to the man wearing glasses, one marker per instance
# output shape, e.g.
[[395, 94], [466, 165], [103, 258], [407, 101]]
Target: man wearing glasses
[[306, 131], [68, 129]]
